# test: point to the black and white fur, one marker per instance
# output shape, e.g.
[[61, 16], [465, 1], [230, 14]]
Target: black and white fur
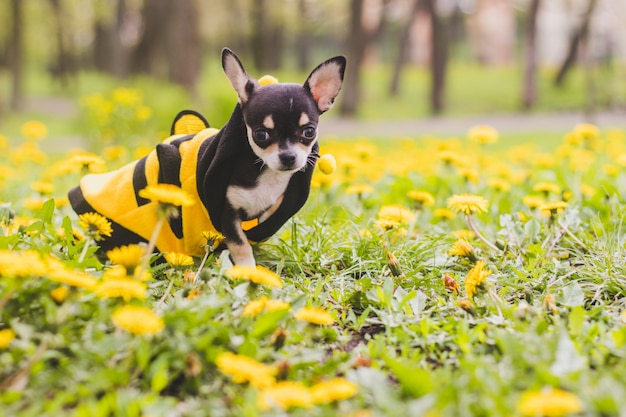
[[281, 123]]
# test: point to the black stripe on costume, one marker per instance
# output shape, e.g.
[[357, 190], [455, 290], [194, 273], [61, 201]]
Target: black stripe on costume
[[177, 142], [169, 173], [140, 181], [120, 235]]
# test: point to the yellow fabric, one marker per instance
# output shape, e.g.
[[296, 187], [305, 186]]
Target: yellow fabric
[[188, 124], [100, 190]]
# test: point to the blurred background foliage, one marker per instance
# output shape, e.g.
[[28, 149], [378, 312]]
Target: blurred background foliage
[[407, 58]]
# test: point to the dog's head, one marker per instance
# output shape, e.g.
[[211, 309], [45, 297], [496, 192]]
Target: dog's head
[[281, 118]]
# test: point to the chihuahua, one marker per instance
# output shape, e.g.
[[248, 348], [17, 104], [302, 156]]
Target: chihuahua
[[250, 177]]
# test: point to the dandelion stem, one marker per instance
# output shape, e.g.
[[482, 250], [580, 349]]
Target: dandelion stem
[[167, 292], [83, 253], [572, 235], [151, 245], [479, 235], [206, 256]]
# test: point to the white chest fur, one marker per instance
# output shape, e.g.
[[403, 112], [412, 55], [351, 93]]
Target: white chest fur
[[254, 201]]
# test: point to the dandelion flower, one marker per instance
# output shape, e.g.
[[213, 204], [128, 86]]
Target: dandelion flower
[[443, 213], [533, 202], [243, 369], [315, 315], [335, 389], [95, 225], [396, 214], [34, 129], [587, 131], [167, 194], [121, 287], [59, 294], [22, 264], [6, 337], [553, 208], [285, 395], [462, 248], [178, 260], [499, 184], [475, 279], [263, 304], [138, 320], [467, 203], [258, 275], [87, 163], [547, 187], [73, 278], [483, 134], [42, 187], [128, 256], [213, 239], [549, 403], [359, 189], [422, 198]]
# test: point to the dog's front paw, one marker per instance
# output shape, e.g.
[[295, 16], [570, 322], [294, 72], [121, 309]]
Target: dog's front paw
[[242, 254]]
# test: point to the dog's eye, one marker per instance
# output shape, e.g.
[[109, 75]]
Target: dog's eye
[[261, 135], [308, 132]]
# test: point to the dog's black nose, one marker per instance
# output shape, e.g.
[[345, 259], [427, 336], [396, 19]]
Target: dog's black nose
[[287, 159]]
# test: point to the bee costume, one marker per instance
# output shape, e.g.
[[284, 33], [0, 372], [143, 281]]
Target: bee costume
[[198, 159]]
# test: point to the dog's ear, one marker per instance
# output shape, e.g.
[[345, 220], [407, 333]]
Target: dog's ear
[[325, 81], [243, 84]]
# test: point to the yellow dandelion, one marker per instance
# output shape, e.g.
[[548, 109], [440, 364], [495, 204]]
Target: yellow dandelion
[[443, 213], [547, 187], [533, 202], [86, 163], [178, 260], [553, 207], [475, 279], [213, 239], [167, 194], [499, 184], [138, 320], [586, 131], [449, 157], [327, 164], [128, 256], [335, 389], [73, 278], [257, 275], [483, 134], [462, 248], [396, 214], [285, 395], [315, 315], [587, 190], [120, 287], [95, 225], [243, 369], [422, 198], [359, 189], [34, 129], [22, 264], [262, 305], [549, 403], [60, 294], [42, 187], [467, 204], [6, 337]]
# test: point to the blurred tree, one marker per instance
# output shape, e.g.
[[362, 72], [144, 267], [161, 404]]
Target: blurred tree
[[404, 46], [360, 38], [63, 67], [16, 55], [529, 94], [439, 55], [304, 40], [267, 39], [110, 54], [580, 36]]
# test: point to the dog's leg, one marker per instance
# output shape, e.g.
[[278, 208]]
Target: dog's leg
[[236, 240]]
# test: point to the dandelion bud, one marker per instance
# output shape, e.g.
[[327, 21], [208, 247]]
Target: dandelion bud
[[549, 304], [327, 164], [393, 264]]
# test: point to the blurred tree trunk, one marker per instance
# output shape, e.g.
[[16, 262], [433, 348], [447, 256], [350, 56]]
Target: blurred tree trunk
[[62, 68], [351, 93], [110, 54], [530, 71], [148, 56], [304, 41], [184, 46], [16, 55], [439, 56], [267, 37], [580, 35], [403, 52]]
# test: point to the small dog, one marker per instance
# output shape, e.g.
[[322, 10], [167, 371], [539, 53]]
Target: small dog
[[250, 177]]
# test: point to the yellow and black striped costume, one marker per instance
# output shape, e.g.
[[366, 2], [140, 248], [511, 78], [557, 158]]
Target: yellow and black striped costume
[[196, 158]]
